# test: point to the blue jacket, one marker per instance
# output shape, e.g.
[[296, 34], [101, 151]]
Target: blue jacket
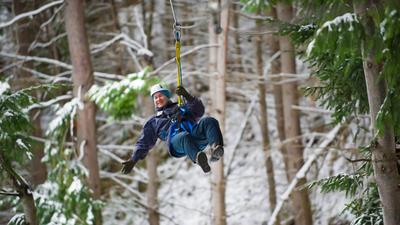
[[159, 125]]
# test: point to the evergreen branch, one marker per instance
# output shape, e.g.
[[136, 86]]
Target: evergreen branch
[[340, 182], [357, 160], [19, 182]]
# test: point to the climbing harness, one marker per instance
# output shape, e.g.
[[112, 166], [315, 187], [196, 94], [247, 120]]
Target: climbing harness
[[177, 36]]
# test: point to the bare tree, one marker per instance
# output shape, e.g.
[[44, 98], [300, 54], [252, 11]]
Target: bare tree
[[153, 157], [301, 202], [264, 120], [275, 68], [219, 101], [83, 79], [25, 35]]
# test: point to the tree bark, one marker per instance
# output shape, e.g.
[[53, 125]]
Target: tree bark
[[212, 65], [219, 113], [25, 35], [383, 152], [82, 77], [238, 51], [152, 188], [154, 182], [152, 158], [118, 49], [301, 202], [264, 121], [275, 68]]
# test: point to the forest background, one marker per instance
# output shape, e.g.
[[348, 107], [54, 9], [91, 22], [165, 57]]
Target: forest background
[[306, 94]]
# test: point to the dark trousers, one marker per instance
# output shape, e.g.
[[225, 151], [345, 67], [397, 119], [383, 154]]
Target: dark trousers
[[205, 132]]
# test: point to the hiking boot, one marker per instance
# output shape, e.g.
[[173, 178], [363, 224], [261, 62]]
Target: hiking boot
[[217, 151], [201, 159]]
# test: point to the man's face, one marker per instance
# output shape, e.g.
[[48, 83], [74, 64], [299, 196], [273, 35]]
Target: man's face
[[160, 100]]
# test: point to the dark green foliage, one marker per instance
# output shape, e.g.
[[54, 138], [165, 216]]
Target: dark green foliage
[[15, 124], [389, 57], [298, 33], [342, 182], [333, 50], [119, 99], [367, 208]]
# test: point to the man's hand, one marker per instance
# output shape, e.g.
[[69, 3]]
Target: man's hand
[[182, 91], [128, 165]]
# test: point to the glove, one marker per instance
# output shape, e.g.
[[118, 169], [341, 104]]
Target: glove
[[182, 91], [128, 165]]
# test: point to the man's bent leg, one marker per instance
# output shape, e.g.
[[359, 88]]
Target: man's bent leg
[[209, 129], [183, 142]]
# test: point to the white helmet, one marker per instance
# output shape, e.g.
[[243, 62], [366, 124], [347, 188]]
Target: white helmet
[[159, 88]]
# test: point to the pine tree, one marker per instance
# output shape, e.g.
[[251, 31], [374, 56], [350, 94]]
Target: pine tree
[[352, 51]]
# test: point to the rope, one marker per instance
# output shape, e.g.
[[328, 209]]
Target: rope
[[173, 11], [177, 36]]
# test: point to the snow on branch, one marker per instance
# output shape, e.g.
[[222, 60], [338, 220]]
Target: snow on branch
[[53, 79], [47, 44], [30, 14], [182, 55], [60, 64], [303, 170], [50, 102], [67, 112], [126, 40], [347, 18]]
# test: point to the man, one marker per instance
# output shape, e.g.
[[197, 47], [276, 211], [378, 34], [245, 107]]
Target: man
[[182, 128]]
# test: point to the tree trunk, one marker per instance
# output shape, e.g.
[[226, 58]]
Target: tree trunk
[[219, 113], [275, 69], [152, 164], [238, 51], [152, 157], [118, 49], [301, 202], [383, 152], [152, 187], [25, 35], [212, 65], [264, 121], [82, 76]]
